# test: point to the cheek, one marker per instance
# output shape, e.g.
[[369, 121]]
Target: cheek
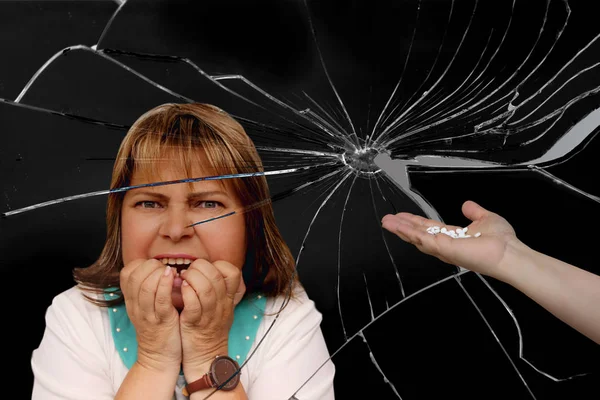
[[135, 239], [225, 242]]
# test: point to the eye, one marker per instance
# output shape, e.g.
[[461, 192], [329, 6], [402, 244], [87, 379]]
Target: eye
[[147, 204], [209, 204]]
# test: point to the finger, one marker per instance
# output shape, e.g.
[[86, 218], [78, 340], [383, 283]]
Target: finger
[[232, 277], [412, 219], [439, 246], [391, 224], [239, 293], [205, 291], [474, 211], [419, 220], [124, 275], [408, 232], [213, 274], [149, 286], [137, 278], [192, 308], [163, 302]]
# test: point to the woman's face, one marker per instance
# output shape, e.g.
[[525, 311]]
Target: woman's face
[[155, 222]]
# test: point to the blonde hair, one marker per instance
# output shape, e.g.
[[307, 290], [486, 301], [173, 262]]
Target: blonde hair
[[188, 132]]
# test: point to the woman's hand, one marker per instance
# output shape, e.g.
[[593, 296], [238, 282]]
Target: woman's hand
[[482, 254], [210, 293], [147, 286]]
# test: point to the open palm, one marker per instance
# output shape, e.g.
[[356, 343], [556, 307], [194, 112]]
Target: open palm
[[479, 254]]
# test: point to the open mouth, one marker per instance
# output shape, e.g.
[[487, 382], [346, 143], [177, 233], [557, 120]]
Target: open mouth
[[178, 263]]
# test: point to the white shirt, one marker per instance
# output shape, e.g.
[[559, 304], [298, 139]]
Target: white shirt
[[77, 358]]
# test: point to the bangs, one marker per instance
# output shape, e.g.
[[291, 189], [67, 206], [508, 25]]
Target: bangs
[[186, 144]]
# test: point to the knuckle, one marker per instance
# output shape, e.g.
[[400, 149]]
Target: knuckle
[[124, 274], [208, 291], [222, 264], [217, 278], [198, 264], [236, 273], [226, 267]]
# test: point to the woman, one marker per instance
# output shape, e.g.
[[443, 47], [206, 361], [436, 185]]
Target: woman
[[189, 282]]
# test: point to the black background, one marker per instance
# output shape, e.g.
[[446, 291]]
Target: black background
[[61, 136]]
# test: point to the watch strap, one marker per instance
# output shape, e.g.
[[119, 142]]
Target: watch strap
[[203, 383]]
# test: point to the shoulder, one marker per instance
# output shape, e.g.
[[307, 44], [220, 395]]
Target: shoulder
[[295, 314], [74, 357], [73, 299], [71, 313]]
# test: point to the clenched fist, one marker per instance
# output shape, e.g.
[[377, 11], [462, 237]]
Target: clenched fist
[[147, 286], [210, 293]]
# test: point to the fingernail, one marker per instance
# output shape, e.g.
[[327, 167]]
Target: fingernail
[[167, 271], [185, 283]]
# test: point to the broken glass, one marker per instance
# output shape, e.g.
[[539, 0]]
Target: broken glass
[[358, 110]]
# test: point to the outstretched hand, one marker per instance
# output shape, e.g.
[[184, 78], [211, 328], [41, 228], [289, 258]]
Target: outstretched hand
[[482, 254]]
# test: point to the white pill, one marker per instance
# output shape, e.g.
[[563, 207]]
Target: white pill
[[443, 230], [465, 230], [478, 234], [436, 229]]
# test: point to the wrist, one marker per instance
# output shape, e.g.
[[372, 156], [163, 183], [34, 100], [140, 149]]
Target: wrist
[[195, 367], [135, 384], [152, 368], [516, 264]]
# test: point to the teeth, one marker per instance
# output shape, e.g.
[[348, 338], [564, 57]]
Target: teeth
[[176, 261]]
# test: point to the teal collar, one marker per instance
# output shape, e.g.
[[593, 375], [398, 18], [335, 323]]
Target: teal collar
[[247, 317]]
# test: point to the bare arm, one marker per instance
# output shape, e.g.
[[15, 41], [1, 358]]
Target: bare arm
[[568, 292], [148, 384]]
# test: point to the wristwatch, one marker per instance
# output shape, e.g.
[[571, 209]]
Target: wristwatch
[[221, 369]]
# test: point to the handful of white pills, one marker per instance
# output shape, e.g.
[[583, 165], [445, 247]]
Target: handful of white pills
[[460, 233]]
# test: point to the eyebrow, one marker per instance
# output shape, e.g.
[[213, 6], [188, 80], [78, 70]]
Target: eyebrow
[[190, 196]]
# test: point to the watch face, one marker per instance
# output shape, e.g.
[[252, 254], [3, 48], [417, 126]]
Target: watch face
[[223, 369]]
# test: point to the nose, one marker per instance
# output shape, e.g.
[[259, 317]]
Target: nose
[[176, 225]]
